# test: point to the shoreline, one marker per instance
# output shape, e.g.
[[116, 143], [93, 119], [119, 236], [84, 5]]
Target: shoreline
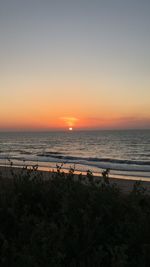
[[135, 176], [125, 185], [113, 174]]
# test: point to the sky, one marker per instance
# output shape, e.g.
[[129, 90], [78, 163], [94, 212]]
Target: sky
[[78, 63]]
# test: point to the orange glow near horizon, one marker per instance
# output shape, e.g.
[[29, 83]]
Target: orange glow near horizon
[[70, 121], [44, 114], [24, 111], [47, 122]]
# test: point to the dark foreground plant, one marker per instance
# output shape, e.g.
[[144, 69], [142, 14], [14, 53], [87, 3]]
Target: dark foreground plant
[[59, 222]]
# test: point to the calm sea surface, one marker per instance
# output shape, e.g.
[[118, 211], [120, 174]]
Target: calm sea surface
[[126, 153]]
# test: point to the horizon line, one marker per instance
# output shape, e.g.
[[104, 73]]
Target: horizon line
[[74, 130]]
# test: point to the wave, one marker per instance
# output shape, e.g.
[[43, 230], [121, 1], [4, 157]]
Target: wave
[[8, 152], [47, 154], [57, 155], [83, 162]]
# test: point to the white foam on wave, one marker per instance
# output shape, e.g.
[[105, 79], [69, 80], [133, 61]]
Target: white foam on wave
[[82, 165]]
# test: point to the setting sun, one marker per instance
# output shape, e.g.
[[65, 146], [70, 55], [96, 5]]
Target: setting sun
[[70, 122]]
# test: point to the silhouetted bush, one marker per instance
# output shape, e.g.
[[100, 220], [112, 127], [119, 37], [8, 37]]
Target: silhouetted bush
[[60, 222]]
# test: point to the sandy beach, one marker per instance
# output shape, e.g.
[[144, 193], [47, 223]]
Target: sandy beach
[[125, 185]]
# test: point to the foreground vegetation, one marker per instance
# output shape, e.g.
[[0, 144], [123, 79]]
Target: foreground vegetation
[[60, 222]]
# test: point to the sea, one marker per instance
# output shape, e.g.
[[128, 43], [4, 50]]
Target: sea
[[125, 152]]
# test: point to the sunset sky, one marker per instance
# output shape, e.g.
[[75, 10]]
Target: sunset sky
[[78, 63]]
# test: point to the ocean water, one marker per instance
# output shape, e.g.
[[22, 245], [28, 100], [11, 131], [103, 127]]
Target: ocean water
[[126, 153]]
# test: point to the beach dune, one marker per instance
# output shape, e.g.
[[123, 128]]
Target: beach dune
[[125, 185]]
